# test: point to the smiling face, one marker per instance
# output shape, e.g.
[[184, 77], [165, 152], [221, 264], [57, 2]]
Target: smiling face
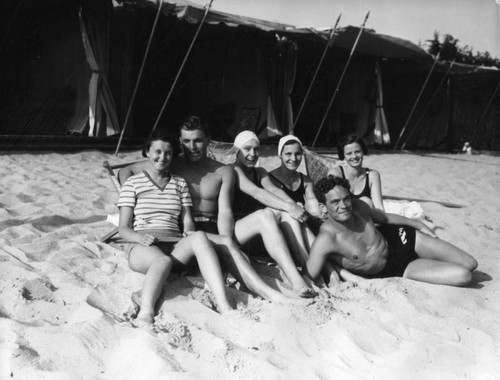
[[248, 154], [338, 204], [291, 156], [194, 144], [353, 154], [160, 155]]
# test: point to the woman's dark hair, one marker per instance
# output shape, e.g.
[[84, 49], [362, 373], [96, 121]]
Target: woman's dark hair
[[324, 185], [349, 139], [162, 135]]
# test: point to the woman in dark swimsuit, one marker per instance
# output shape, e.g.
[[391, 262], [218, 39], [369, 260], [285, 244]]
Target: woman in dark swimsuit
[[365, 183], [295, 184]]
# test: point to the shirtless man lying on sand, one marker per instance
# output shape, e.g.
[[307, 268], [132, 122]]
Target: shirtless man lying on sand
[[399, 247]]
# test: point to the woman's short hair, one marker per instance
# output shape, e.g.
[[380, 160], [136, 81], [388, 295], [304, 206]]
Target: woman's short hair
[[161, 135], [350, 139]]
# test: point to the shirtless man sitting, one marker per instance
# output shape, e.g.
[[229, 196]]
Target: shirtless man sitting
[[399, 247], [211, 187]]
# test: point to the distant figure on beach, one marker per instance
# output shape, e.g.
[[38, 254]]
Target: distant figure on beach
[[298, 186], [399, 247], [151, 204], [365, 183], [264, 211], [211, 185]]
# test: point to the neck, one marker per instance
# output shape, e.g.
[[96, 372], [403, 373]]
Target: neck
[[285, 172]]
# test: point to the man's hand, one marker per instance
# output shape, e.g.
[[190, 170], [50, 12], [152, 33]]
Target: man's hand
[[426, 230]]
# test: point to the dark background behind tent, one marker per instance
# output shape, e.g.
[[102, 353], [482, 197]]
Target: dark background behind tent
[[231, 78]]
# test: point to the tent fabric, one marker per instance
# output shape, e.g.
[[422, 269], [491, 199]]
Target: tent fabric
[[103, 119], [371, 43], [381, 129]]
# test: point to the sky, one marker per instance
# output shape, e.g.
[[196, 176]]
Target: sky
[[475, 23]]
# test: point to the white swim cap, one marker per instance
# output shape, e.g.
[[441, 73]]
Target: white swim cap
[[285, 139], [244, 137]]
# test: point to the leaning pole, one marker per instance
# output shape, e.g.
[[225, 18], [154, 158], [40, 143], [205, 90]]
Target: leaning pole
[[340, 79], [139, 77]]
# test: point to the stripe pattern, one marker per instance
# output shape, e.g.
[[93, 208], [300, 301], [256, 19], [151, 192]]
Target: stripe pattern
[[155, 208]]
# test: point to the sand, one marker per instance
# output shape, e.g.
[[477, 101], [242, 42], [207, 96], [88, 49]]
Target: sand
[[64, 296]]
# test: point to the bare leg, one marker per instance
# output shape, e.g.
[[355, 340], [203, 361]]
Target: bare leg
[[440, 263], [263, 223], [156, 266], [428, 247], [198, 245], [294, 232], [238, 264]]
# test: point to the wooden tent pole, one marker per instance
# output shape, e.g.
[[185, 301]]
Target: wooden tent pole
[[416, 101], [207, 9], [483, 116], [328, 44], [125, 123], [340, 79], [428, 105]]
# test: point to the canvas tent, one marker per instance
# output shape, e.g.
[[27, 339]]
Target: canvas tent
[[241, 73]]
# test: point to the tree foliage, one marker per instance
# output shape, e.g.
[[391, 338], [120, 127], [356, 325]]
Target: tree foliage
[[450, 49]]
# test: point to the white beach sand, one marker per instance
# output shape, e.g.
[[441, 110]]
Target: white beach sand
[[63, 294]]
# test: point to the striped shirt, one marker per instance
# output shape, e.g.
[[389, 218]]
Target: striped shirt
[[155, 208]]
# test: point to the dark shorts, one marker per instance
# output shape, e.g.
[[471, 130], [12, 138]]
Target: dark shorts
[[166, 247], [401, 247], [208, 227]]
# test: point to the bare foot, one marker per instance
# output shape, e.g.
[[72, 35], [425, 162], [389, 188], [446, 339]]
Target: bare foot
[[285, 300], [305, 292], [144, 320], [225, 308]]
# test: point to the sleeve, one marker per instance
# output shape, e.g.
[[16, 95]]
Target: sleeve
[[184, 194], [127, 195]]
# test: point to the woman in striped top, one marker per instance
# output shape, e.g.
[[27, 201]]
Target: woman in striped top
[[151, 205]]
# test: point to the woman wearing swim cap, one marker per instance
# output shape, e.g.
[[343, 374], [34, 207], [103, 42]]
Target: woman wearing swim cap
[[262, 209]]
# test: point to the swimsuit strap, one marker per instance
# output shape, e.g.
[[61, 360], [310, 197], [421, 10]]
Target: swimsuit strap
[[342, 171]]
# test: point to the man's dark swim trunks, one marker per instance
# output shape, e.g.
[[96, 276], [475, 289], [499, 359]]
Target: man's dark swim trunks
[[401, 247], [206, 224]]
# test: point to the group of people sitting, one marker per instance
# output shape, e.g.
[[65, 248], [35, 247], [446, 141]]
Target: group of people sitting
[[177, 207]]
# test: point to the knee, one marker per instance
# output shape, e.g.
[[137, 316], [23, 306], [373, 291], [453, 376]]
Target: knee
[[228, 242], [268, 216], [471, 263], [463, 277], [199, 237], [164, 263]]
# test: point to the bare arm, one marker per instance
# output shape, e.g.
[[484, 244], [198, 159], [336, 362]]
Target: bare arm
[[126, 231], [376, 189], [225, 218], [386, 218], [311, 202], [323, 245], [267, 198], [187, 220]]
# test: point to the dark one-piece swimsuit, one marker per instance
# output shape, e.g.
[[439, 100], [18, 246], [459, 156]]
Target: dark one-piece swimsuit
[[296, 195], [366, 192]]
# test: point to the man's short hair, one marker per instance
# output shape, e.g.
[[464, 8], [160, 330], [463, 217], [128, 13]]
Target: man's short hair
[[326, 184], [192, 123]]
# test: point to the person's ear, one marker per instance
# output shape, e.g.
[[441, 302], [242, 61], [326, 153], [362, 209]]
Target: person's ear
[[323, 210]]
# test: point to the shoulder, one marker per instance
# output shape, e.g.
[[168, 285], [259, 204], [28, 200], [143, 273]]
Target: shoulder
[[360, 208], [336, 171], [327, 236]]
